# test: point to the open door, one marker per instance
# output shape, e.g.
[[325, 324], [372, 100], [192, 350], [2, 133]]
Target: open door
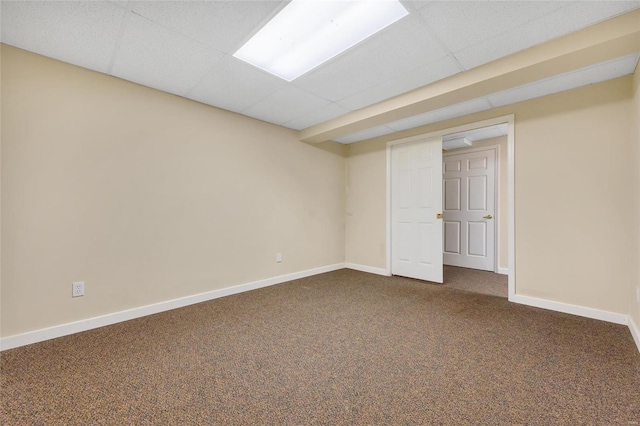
[[416, 209]]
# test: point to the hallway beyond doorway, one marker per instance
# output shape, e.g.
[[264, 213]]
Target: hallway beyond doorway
[[476, 281]]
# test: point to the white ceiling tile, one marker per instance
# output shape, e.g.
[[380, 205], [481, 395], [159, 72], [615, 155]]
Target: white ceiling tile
[[152, 55], [234, 85], [589, 75], [317, 116], [576, 15], [121, 3], [416, 4], [565, 20], [365, 134], [453, 111], [411, 80], [80, 33], [481, 133], [459, 24], [223, 25], [399, 48], [285, 105]]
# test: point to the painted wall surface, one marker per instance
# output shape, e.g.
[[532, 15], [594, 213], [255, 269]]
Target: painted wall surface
[[366, 180], [573, 177], [502, 199], [146, 196], [634, 310]]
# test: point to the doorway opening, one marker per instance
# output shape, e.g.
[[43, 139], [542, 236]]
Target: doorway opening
[[474, 209], [482, 146]]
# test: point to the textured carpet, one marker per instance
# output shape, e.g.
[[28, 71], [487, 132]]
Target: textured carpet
[[344, 348], [476, 281]]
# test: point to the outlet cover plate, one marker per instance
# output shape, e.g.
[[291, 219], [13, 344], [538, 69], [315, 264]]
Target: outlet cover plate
[[77, 289]]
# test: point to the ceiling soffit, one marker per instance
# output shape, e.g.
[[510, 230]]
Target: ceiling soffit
[[608, 40]]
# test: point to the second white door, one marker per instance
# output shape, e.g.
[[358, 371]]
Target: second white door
[[469, 209]]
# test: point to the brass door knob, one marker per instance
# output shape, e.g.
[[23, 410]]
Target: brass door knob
[[439, 216], [488, 217]]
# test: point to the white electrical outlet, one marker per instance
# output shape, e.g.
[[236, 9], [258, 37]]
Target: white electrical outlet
[[638, 294], [278, 257], [77, 289]]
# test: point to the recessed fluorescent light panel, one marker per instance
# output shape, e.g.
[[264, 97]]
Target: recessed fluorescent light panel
[[307, 33]]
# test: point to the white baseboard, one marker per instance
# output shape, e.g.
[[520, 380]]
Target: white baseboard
[[635, 332], [571, 309], [369, 269], [503, 271], [30, 337]]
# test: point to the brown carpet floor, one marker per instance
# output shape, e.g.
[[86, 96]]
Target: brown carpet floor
[[483, 282], [343, 348]]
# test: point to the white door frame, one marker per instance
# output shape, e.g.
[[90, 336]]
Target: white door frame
[[510, 121], [496, 193]]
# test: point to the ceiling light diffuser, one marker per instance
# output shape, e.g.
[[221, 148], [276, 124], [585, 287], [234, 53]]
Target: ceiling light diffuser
[[307, 33]]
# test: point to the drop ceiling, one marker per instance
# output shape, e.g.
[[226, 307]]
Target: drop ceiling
[[480, 134], [466, 138], [186, 47]]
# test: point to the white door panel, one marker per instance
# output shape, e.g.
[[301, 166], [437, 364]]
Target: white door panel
[[452, 194], [477, 193], [404, 241], [452, 237], [469, 199], [477, 163], [477, 239], [416, 200], [452, 166], [425, 187]]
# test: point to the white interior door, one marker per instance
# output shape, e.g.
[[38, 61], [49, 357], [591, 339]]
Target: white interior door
[[416, 202], [469, 210]]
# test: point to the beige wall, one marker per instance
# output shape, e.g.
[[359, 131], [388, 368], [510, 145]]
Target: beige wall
[[573, 210], [146, 196], [634, 305], [365, 234], [503, 187]]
